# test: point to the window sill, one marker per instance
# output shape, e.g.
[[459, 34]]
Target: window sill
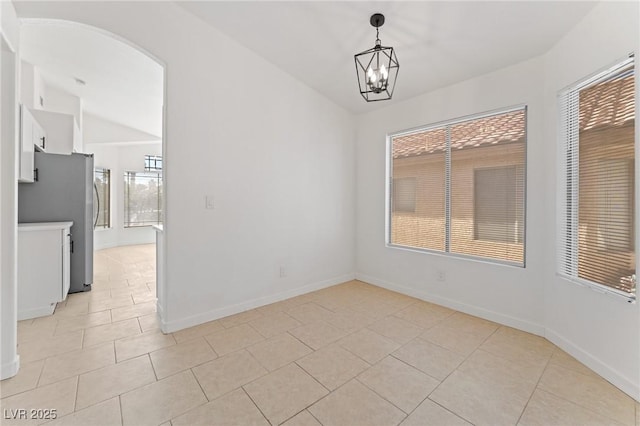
[[599, 288], [472, 258]]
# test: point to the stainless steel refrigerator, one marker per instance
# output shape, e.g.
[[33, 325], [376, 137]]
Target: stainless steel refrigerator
[[64, 191]]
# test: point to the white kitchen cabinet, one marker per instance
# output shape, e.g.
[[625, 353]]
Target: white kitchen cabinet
[[31, 135], [62, 132], [44, 255]]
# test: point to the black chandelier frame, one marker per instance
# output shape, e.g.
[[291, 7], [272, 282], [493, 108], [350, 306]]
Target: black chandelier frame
[[377, 55]]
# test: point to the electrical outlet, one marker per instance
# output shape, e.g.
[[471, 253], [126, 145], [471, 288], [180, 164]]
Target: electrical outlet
[[441, 276], [283, 272]]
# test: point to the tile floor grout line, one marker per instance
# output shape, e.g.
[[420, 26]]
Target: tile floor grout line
[[423, 372], [200, 385], [524, 408], [44, 361], [75, 400], [381, 396], [187, 368], [311, 375], [291, 417], [312, 350], [311, 414], [582, 407], [252, 401], [153, 367], [208, 343], [449, 410], [455, 369], [121, 410]]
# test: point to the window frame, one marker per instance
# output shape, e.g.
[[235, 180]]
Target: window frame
[[389, 186], [126, 197], [150, 159], [566, 152]]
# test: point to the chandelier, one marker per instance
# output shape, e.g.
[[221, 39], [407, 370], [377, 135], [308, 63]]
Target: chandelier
[[377, 68]]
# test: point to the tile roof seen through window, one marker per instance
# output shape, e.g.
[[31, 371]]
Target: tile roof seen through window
[[610, 103], [496, 129]]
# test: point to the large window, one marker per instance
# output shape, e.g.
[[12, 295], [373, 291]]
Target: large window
[[597, 181], [142, 199], [102, 198], [458, 187]]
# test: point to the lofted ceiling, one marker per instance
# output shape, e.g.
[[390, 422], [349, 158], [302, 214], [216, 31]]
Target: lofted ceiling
[[438, 43], [123, 85]]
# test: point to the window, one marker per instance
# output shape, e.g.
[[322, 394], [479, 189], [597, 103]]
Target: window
[[497, 210], [102, 198], [404, 195], [142, 199], [615, 219], [153, 162], [597, 181], [466, 195]]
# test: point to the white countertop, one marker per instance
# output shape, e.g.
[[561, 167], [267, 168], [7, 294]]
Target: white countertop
[[44, 226]]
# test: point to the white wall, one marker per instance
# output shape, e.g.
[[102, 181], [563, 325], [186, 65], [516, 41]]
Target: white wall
[[510, 295], [60, 101], [601, 331], [98, 130], [119, 159], [9, 76], [276, 156]]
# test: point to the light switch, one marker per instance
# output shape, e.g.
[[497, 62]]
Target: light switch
[[208, 202]]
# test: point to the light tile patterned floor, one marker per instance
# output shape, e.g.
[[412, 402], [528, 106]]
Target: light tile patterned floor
[[352, 354]]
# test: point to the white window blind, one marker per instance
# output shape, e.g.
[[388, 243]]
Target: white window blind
[[469, 180], [497, 207], [142, 199], [596, 235], [404, 195]]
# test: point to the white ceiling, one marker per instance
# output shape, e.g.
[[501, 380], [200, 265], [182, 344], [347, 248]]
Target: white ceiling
[[437, 43], [123, 85]]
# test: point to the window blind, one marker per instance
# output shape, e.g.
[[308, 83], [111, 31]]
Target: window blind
[[596, 244], [420, 157], [487, 187], [469, 187], [404, 195], [142, 199]]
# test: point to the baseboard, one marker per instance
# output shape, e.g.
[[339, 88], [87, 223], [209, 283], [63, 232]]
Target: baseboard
[[610, 374], [613, 376], [175, 325], [487, 314], [10, 369], [160, 316]]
